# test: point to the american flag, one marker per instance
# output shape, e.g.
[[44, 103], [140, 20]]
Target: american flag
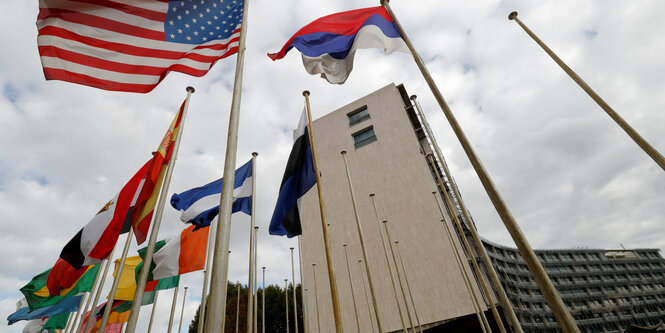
[[130, 45]]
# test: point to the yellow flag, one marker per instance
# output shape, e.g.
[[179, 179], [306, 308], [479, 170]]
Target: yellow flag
[[127, 284]]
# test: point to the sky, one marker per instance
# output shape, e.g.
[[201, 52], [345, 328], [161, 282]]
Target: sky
[[570, 176]]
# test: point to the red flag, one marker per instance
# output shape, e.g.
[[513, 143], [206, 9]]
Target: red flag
[[152, 181], [63, 276]]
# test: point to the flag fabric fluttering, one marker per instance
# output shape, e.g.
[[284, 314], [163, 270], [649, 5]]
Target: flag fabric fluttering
[[328, 44], [38, 295], [127, 283], [200, 205], [299, 177], [151, 184], [132, 45], [180, 254], [96, 240], [69, 304]]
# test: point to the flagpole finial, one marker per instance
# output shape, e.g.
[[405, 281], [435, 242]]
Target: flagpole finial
[[190, 89], [433, 192], [512, 15], [396, 241], [413, 97], [371, 195], [255, 154], [344, 245], [343, 152], [291, 248], [385, 221], [384, 2], [305, 93]]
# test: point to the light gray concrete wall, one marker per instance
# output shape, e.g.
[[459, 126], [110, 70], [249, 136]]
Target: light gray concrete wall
[[395, 170]]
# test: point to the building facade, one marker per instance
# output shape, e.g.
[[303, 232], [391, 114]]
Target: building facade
[[386, 149]]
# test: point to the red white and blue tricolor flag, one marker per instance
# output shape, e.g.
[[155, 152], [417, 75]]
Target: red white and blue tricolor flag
[[329, 43], [130, 45]]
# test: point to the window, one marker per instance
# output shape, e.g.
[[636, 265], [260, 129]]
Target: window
[[358, 115], [364, 137]]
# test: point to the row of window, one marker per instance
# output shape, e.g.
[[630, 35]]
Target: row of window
[[366, 135]]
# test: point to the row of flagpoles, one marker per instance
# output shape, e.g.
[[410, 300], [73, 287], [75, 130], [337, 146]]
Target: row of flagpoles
[[156, 180]]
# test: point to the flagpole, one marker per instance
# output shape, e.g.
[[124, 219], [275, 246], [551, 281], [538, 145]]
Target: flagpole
[[237, 307], [408, 286], [508, 308], [305, 328], [116, 281], [154, 309], [93, 292], [174, 303], [390, 271], [286, 299], [465, 245], [263, 302], [220, 264], [324, 222], [467, 281], [252, 233], [362, 244], [157, 220], [559, 309], [353, 294], [399, 277], [182, 311], [98, 293], [293, 282], [369, 311], [637, 138], [206, 275], [256, 288], [316, 298]]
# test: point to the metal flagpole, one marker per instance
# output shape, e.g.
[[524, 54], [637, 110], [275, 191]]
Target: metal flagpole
[[94, 292], [116, 281], [217, 300], [353, 294], [156, 222], [399, 277], [467, 283], [390, 271], [237, 308], [206, 275], [182, 310], [508, 308], [89, 324], [316, 298], [305, 328], [559, 309], [173, 305], [256, 288], [154, 309], [250, 283], [408, 286], [362, 244], [369, 311], [286, 298], [263, 301], [324, 224], [293, 282], [465, 244], [639, 140]]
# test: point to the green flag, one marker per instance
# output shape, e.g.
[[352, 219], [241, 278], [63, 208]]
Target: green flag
[[57, 322], [38, 296], [142, 252]]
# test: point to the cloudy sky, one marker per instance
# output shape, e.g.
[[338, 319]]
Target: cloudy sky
[[571, 177]]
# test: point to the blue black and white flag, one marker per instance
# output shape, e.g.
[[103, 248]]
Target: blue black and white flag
[[299, 177], [200, 205]]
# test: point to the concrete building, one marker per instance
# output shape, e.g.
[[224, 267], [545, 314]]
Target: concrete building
[[606, 291]]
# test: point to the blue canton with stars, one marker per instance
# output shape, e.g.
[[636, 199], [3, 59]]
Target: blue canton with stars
[[200, 21]]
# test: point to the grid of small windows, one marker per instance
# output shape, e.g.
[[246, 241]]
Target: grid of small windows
[[364, 137], [604, 293]]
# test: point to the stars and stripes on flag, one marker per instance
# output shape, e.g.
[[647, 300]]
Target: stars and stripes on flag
[[131, 45], [299, 177], [329, 43], [200, 205]]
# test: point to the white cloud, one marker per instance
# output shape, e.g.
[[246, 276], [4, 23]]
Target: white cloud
[[570, 176]]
